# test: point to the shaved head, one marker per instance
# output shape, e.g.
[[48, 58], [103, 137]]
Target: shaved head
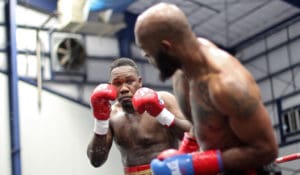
[[161, 21], [160, 31]]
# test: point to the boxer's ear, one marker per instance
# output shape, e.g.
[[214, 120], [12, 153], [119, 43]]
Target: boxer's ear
[[140, 81], [166, 45]]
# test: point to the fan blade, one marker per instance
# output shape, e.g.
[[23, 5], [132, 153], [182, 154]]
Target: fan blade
[[62, 51], [64, 60]]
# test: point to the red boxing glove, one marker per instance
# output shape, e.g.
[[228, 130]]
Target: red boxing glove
[[196, 163], [100, 100], [146, 99], [188, 144], [101, 107]]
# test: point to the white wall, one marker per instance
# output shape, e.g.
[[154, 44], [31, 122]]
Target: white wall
[[54, 140], [5, 163]]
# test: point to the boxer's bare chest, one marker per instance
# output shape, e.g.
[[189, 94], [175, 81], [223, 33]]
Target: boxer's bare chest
[[140, 139], [132, 131]]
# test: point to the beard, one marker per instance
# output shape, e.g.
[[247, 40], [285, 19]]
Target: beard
[[128, 107], [166, 64]]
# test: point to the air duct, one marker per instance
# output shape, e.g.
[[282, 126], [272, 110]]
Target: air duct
[[73, 17]]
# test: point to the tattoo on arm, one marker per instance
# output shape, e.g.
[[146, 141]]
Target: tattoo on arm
[[244, 103], [204, 94], [99, 150]]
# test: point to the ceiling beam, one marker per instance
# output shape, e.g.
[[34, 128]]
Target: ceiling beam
[[276, 27], [200, 4], [295, 3]]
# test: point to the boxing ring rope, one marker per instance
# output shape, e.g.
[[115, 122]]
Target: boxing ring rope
[[288, 158]]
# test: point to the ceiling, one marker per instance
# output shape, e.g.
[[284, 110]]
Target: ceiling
[[228, 22]]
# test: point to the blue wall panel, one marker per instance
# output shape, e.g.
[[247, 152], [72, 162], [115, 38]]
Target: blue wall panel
[[48, 6]]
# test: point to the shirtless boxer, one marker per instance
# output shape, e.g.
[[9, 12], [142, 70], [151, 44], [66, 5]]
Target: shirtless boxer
[[230, 121], [139, 135]]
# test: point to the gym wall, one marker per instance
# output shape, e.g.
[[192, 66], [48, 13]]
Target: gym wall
[[5, 159], [274, 62], [273, 59], [53, 138], [5, 163]]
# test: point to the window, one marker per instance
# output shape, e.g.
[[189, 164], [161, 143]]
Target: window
[[291, 121]]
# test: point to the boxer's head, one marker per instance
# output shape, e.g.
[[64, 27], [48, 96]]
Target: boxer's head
[[124, 75], [160, 31]]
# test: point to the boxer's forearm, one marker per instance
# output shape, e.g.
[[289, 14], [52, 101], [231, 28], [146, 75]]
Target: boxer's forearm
[[98, 150], [248, 157], [179, 127]]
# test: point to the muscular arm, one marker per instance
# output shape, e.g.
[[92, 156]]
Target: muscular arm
[[181, 92], [180, 125], [99, 148], [249, 121]]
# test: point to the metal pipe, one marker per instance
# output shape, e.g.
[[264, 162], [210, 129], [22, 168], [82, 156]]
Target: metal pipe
[[10, 21]]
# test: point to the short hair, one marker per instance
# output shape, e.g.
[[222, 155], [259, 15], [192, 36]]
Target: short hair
[[123, 62]]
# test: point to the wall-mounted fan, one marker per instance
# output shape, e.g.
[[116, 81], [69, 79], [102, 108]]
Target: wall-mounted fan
[[68, 53]]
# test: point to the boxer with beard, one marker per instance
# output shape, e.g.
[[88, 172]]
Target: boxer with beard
[[141, 121], [167, 65], [229, 119]]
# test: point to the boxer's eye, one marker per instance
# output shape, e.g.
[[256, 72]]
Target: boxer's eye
[[130, 81], [117, 83]]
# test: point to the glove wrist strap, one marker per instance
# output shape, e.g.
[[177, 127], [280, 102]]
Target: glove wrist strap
[[165, 118], [101, 126], [188, 144], [207, 162]]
